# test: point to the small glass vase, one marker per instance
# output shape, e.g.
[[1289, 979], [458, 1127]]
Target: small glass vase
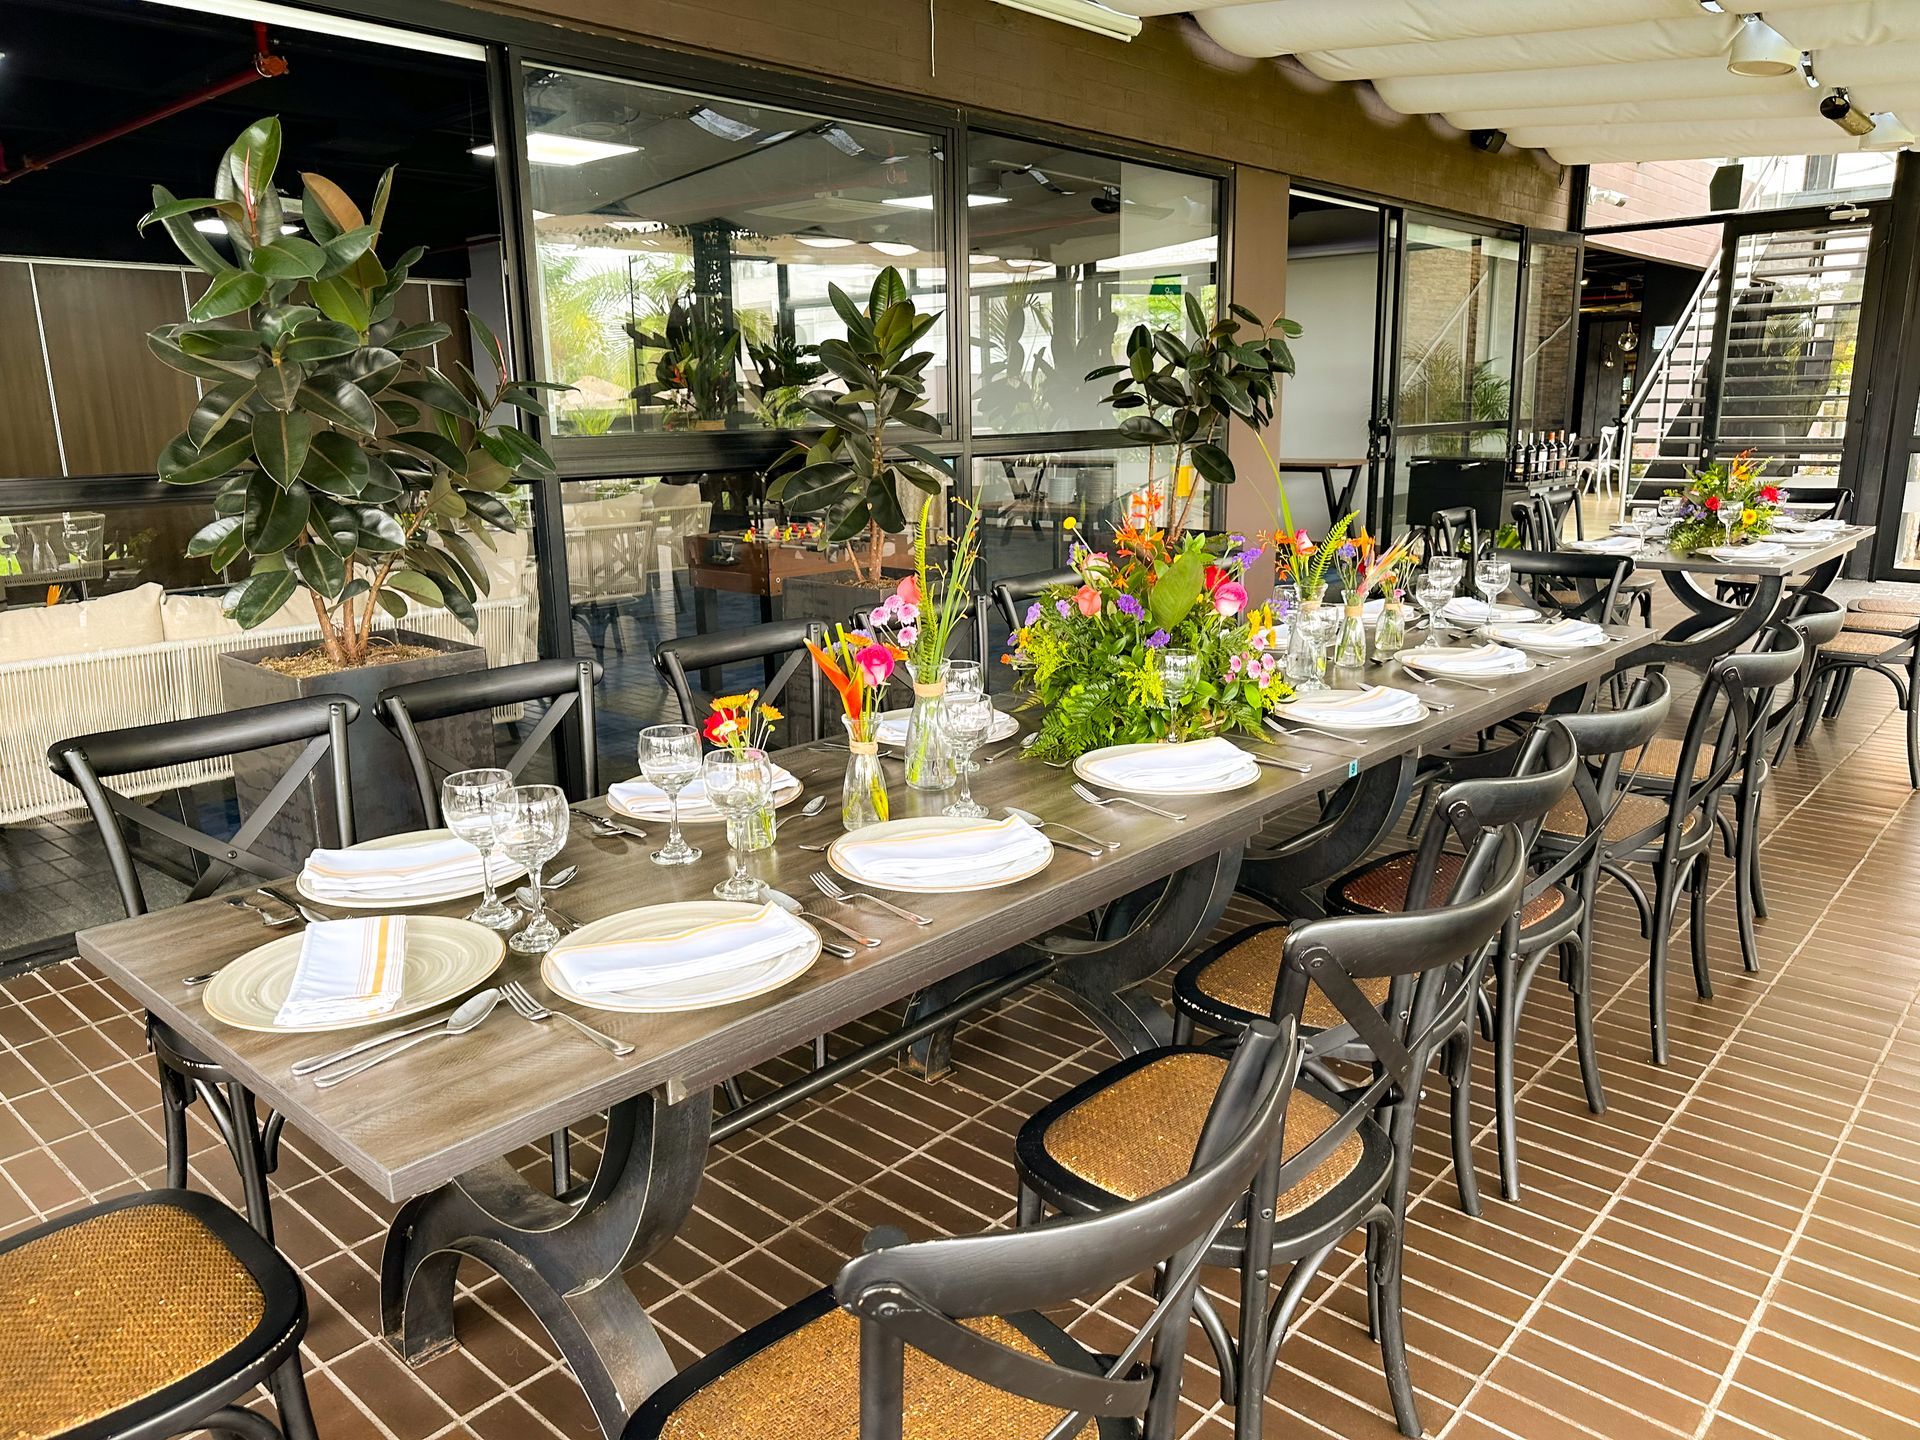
[[1350, 647], [1390, 630], [863, 794], [929, 764], [1302, 669]]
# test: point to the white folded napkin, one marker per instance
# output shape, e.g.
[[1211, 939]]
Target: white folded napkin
[[396, 871], [978, 854], [1611, 545], [1488, 659], [1200, 764], [890, 728], [640, 796], [711, 949], [348, 970], [1557, 635], [1760, 552], [1467, 611], [1375, 705]]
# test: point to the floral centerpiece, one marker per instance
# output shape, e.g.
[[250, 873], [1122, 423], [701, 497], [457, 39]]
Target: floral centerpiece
[[1153, 643], [859, 668], [740, 723], [1724, 504]]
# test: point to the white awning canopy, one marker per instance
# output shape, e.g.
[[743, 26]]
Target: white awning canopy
[[1594, 81]]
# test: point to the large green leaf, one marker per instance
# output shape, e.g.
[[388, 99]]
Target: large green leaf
[[167, 349], [274, 517], [230, 292], [437, 392], [336, 466], [179, 227], [488, 342], [219, 405], [374, 368], [258, 596], [383, 487], [280, 442], [1213, 463], [184, 463], [253, 157], [312, 348], [490, 508], [326, 209], [432, 446], [341, 301], [464, 562], [321, 569], [888, 289], [335, 525], [419, 337], [345, 248], [528, 455], [380, 533], [338, 402], [212, 536], [420, 587], [279, 384], [290, 257], [1177, 589]]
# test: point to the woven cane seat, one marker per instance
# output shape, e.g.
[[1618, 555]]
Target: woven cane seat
[[1381, 887], [1243, 978], [1873, 647], [104, 1312], [1137, 1134], [1659, 759], [1886, 605], [1879, 624], [806, 1383], [1633, 815]]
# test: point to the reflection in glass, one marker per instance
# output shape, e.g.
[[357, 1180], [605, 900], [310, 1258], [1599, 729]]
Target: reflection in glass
[[1546, 356], [1456, 344], [685, 256]]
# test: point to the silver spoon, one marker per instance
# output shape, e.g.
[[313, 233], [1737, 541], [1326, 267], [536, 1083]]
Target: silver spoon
[[468, 1017], [523, 896], [332, 1058], [814, 806], [1096, 850], [793, 907], [560, 877]]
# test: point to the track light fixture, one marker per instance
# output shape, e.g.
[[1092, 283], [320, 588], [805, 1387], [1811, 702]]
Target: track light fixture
[[1760, 50], [1806, 70], [1839, 108]]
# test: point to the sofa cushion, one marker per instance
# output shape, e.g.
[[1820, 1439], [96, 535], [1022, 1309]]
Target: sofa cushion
[[113, 622]]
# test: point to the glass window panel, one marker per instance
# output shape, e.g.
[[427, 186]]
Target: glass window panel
[[1546, 358], [1456, 347], [1674, 189], [1067, 252], [718, 224]]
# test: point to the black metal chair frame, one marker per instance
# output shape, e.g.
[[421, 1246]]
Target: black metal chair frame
[[1596, 580], [1898, 664], [1007, 595], [782, 639], [1541, 520], [210, 1397], [88, 762], [916, 1295]]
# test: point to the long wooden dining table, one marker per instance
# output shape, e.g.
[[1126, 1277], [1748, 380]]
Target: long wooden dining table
[[433, 1127]]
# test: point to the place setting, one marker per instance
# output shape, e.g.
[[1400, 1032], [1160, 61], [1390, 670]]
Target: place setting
[[1213, 766], [687, 955]]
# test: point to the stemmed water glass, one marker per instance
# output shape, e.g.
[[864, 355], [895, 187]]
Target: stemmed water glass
[[532, 822], [1491, 577], [1432, 595], [964, 678], [467, 803], [738, 782], [1176, 673], [967, 719], [670, 761]]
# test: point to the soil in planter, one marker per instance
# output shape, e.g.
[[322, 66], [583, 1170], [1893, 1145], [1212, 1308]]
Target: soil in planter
[[316, 661]]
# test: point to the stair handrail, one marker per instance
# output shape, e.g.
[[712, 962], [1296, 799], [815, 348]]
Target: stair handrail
[[1630, 415]]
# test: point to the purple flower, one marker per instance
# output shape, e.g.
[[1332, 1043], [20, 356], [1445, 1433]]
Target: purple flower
[[1063, 607], [1127, 605], [1348, 551], [1237, 541], [1033, 612], [1245, 558], [1158, 640]]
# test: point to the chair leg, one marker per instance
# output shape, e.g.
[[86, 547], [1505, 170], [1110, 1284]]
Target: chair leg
[[1460, 1077], [1666, 900], [1697, 925], [252, 1157], [560, 1153], [1837, 692], [1815, 702], [1028, 1208], [1506, 1025], [175, 1094], [289, 1388], [1580, 979], [1182, 1027], [1913, 741], [1393, 1339], [1747, 902]]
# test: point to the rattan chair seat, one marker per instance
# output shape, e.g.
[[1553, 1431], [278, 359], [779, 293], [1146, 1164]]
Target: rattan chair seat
[[102, 1313], [1634, 815], [1658, 759], [1879, 624], [1381, 887], [806, 1383], [1872, 647], [1886, 605], [1243, 978], [1137, 1134]]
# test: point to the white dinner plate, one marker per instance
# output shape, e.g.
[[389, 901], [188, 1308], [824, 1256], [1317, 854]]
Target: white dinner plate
[[505, 872], [890, 727], [1482, 613], [1423, 661], [787, 789], [1532, 636], [698, 992], [443, 960], [911, 830], [1306, 711], [1088, 767]]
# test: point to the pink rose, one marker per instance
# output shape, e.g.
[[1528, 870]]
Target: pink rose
[[1230, 597], [907, 592], [1088, 600], [876, 663]]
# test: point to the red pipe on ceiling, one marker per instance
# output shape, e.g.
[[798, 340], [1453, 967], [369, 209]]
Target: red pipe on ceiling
[[266, 66]]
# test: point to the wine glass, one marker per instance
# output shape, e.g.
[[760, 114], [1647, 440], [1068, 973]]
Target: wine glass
[[1176, 673], [670, 760], [1432, 595], [738, 782], [964, 678], [1326, 622], [1491, 577], [532, 822], [967, 719], [467, 802], [1450, 568]]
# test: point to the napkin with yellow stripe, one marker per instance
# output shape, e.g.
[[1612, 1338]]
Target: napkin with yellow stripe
[[348, 970]]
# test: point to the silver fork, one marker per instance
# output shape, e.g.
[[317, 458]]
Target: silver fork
[[824, 883], [267, 918], [524, 1004], [1294, 727], [603, 826], [1407, 669], [1105, 800]]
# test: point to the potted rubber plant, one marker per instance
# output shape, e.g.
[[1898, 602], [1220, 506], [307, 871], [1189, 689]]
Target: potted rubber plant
[[353, 480]]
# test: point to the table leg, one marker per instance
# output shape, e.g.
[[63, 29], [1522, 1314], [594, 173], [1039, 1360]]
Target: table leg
[[563, 1260], [706, 620], [1713, 629]]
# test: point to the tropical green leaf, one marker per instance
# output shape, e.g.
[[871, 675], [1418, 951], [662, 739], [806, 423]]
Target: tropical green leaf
[[290, 257], [342, 302], [336, 466], [490, 508], [348, 246], [380, 533], [230, 292], [437, 392], [430, 445], [383, 487], [278, 384], [1177, 590], [420, 587], [335, 211], [217, 406], [274, 516], [338, 402], [210, 537], [184, 463], [165, 347], [394, 605], [280, 441], [335, 525], [321, 569], [253, 157], [258, 596], [1213, 463], [172, 215]]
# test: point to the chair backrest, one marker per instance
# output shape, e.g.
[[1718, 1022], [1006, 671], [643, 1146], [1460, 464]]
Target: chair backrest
[[90, 761], [918, 1294], [1595, 579], [1605, 738], [1837, 498], [1012, 593], [565, 685], [782, 640], [1447, 527], [1729, 716], [1542, 516]]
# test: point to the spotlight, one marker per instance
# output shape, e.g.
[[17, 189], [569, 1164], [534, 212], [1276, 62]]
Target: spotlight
[[1713, 7], [1761, 50], [1107, 202], [1607, 197], [1889, 133], [1491, 141], [1839, 108]]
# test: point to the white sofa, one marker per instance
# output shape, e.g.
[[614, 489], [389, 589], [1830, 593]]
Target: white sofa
[[142, 656]]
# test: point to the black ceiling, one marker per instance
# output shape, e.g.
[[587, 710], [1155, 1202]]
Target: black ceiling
[[77, 68]]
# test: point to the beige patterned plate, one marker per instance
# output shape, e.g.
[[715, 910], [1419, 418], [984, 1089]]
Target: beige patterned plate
[[505, 872], [908, 830], [697, 993], [445, 958]]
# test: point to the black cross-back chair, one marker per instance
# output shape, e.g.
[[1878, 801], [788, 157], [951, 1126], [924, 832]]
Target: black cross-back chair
[[564, 686], [1011, 1372], [1883, 643], [232, 1309], [1541, 519], [1009, 596], [1571, 583], [89, 762], [784, 641], [1344, 1159], [1837, 503], [1447, 528]]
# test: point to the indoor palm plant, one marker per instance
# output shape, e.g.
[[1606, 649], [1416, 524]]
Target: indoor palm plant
[[345, 465]]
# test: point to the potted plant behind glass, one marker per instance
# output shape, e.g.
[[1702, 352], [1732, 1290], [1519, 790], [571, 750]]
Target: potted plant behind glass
[[699, 359], [347, 470], [786, 369]]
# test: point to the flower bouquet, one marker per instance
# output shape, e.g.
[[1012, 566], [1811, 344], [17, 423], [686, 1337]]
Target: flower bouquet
[[1725, 504], [859, 668], [741, 723], [1153, 643]]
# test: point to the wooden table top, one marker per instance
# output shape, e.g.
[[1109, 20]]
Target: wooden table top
[[417, 1122], [1799, 559]]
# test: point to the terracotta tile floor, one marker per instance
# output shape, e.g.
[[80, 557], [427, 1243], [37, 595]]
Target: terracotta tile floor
[[1732, 1251]]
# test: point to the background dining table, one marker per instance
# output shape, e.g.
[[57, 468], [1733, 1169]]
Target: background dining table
[[436, 1124]]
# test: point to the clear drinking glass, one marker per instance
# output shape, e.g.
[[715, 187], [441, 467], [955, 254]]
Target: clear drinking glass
[[532, 821], [737, 783], [670, 759], [964, 678], [1491, 578], [467, 800], [1176, 673], [1432, 594], [1450, 568], [967, 719]]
